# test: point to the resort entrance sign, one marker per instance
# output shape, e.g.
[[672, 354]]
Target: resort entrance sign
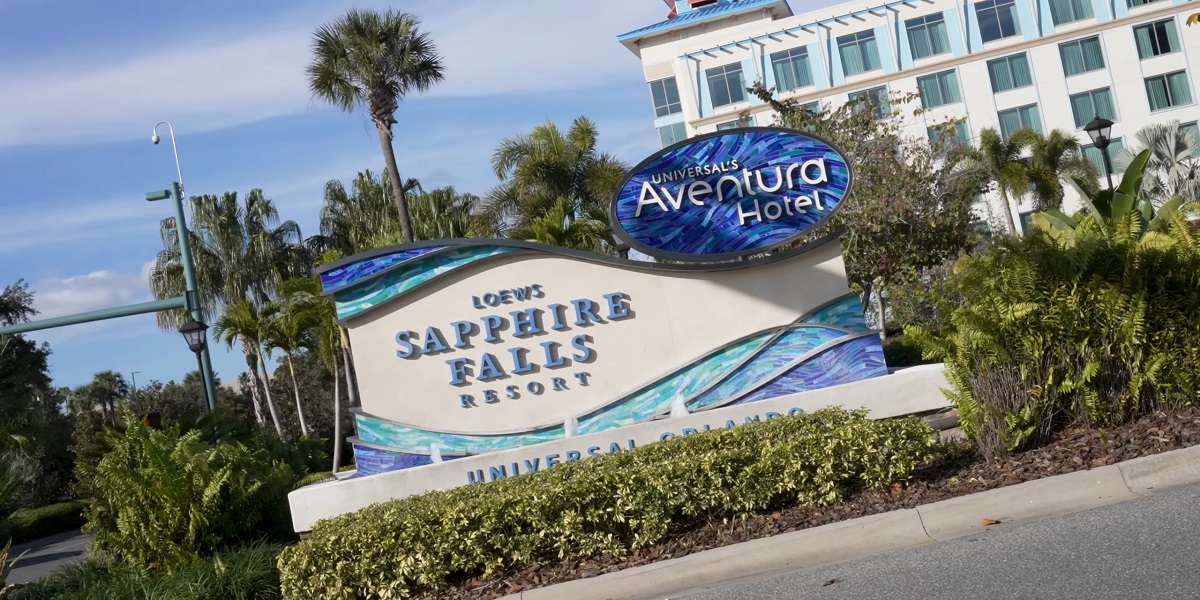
[[477, 358]]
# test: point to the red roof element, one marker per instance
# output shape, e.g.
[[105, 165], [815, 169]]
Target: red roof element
[[674, 10]]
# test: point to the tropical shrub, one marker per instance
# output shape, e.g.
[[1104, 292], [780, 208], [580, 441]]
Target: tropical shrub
[[245, 573], [606, 504], [1092, 319], [165, 498]]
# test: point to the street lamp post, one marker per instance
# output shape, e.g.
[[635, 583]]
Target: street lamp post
[[133, 377], [194, 304], [1100, 130]]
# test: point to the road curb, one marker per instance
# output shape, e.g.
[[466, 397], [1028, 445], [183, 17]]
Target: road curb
[[887, 532]]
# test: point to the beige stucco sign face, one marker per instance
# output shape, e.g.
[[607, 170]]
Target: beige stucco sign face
[[529, 340], [470, 346]]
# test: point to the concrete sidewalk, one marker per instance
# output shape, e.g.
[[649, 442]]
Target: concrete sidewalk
[[877, 534], [46, 555]]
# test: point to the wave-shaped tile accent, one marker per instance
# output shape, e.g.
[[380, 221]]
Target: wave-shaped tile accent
[[845, 312], [797, 341], [348, 274], [356, 299], [369, 461], [854, 360]]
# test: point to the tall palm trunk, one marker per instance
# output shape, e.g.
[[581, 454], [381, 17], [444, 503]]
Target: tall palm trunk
[[337, 419], [389, 157], [252, 369], [351, 393], [296, 389], [1008, 215], [267, 389]]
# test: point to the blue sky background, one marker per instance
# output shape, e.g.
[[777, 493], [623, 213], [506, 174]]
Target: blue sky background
[[84, 83]]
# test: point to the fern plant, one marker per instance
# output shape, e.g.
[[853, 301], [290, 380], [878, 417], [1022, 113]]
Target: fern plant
[[166, 498], [1095, 320]]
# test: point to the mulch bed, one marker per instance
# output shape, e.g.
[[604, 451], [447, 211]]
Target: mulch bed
[[962, 472]]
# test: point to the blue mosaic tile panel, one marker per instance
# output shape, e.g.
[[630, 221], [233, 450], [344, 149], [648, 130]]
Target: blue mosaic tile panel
[[353, 272], [370, 461], [381, 289], [847, 312], [857, 359], [718, 226], [657, 398], [798, 340]]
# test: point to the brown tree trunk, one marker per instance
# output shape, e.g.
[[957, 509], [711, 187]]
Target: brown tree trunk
[[252, 370], [389, 158]]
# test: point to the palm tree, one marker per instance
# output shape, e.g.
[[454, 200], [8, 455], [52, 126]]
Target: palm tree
[[241, 251], [374, 60], [1000, 160], [244, 321], [288, 329], [1173, 168], [1053, 158], [586, 232], [540, 169], [303, 297], [105, 390]]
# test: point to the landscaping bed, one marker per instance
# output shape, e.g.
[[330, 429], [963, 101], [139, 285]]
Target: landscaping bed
[[962, 472]]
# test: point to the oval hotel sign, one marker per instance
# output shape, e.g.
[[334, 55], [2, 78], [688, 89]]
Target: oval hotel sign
[[729, 194]]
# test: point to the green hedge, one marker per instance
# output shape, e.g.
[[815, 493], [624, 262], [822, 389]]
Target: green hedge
[[41, 522], [605, 504]]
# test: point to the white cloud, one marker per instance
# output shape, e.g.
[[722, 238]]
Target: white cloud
[[256, 71], [57, 297]]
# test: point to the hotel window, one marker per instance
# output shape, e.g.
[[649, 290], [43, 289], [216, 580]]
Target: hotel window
[[1025, 117], [1165, 91], [1069, 11], [859, 52], [1081, 56], [997, 19], [951, 135], [791, 69], [927, 36], [1089, 105], [812, 107], [874, 100], [666, 97], [1097, 157], [746, 122], [938, 89], [672, 134], [1133, 3], [1190, 128], [725, 85], [1009, 72], [1156, 38]]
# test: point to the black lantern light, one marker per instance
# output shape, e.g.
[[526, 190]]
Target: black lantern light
[[193, 334], [1100, 130]]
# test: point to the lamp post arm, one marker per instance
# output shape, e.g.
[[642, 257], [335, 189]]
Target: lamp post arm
[[174, 149]]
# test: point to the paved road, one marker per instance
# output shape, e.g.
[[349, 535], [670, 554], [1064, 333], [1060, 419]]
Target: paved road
[[1146, 548], [47, 555]]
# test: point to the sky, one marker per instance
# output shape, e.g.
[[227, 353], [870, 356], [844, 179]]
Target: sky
[[84, 83]]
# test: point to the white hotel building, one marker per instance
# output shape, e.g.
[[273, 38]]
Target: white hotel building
[[1045, 64]]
